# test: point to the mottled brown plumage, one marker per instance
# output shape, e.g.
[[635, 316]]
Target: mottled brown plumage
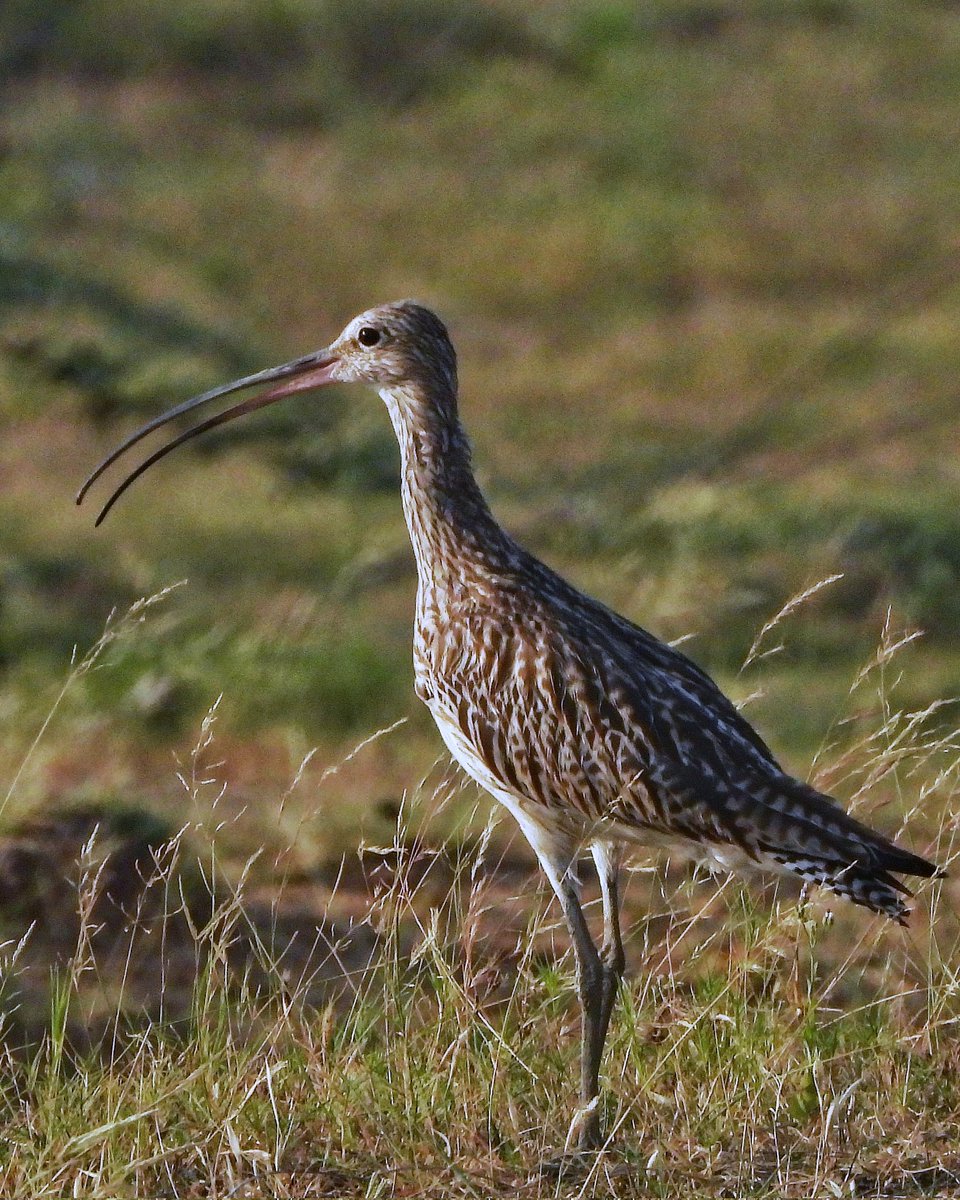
[[591, 731]]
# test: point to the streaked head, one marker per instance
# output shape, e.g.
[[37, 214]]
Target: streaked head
[[395, 344], [392, 346]]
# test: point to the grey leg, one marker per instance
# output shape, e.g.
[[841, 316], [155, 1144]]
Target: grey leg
[[557, 858], [591, 987]]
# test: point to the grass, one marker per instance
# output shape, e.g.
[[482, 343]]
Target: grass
[[700, 264], [405, 1023]]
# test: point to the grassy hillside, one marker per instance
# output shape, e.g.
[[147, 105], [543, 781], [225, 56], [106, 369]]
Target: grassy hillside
[[700, 262]]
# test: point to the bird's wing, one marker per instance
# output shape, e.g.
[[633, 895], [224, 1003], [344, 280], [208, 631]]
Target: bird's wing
[[569, 724], [704, 754], [604, 721]]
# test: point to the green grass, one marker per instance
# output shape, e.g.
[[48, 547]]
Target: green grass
[[450, 1075], [699, 261]]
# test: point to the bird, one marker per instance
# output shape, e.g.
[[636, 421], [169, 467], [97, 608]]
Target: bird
[[595, 735]]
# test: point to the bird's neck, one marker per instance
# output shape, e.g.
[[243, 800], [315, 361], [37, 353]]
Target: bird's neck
[[453, 532]]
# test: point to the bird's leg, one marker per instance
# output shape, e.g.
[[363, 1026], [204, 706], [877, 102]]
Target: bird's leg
[[607, 859], [558, 858], [591, 987]]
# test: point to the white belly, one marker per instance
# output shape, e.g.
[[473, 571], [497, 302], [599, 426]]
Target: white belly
[[549, 845], [464, 753]]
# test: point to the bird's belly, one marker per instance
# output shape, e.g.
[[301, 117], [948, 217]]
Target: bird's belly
[[541, 826], [466, 755], [713, 855]]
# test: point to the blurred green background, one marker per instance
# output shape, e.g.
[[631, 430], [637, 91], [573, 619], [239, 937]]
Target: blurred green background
[[699, 259]]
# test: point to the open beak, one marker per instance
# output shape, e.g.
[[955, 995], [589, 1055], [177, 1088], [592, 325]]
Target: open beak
[[301, 375]]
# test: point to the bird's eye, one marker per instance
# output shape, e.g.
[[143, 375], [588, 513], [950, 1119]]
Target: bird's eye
[[368, 336]]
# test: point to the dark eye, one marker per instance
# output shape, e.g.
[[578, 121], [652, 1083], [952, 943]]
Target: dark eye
[[368, 336]]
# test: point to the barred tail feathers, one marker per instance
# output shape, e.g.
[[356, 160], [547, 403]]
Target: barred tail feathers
[[873, 888], [779, 823], [826, 846]]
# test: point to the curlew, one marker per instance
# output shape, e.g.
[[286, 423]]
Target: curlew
[[590, 731]]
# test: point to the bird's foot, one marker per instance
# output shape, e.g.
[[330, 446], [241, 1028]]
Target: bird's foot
[[579, 1154], [572, 1166]]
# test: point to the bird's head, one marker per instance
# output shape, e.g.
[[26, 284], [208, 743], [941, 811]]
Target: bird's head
[[397, 348], [395, 345]]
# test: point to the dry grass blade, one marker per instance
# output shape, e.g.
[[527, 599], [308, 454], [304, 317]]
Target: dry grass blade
[[790, 607]]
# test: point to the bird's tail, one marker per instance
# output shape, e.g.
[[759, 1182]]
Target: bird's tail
[[871, 886], [843, 855]]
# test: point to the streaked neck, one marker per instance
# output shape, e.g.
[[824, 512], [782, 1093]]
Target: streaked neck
[[450, 524]]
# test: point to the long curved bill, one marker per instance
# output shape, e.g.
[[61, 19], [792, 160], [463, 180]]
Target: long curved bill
[[301, 375]]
